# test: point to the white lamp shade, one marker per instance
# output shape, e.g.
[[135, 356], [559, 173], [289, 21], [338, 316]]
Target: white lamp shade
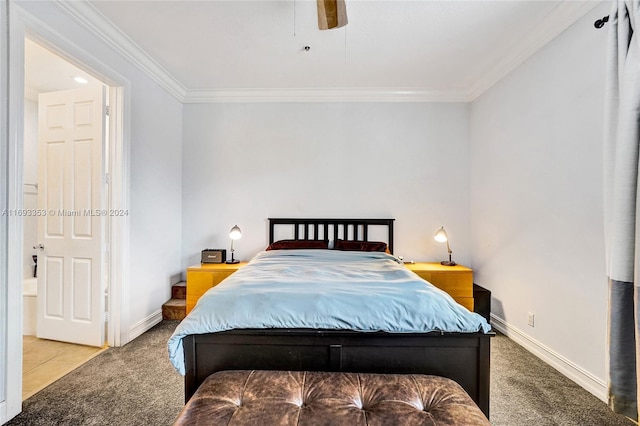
[[235, 233], [441, 235]]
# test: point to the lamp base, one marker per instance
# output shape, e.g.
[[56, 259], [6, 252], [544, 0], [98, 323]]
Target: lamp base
[[448, 263], [232, 262]]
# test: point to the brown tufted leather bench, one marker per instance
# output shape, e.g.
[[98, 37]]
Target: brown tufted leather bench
[[326, 398]]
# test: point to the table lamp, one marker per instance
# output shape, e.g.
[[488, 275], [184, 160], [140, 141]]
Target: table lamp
[[442, 237], [234, 234]]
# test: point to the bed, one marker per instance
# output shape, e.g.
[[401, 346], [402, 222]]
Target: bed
[[198, 349]]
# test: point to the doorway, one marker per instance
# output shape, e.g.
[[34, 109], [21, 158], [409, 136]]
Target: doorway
[[47, 73]]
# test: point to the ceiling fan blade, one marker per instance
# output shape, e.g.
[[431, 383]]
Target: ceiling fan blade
[[331, 14]]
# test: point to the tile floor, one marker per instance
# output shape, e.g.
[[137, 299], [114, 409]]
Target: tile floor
[[45, 361]]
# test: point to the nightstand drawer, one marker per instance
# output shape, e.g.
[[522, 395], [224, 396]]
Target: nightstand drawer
[[455, 280], [201, 278], [457, 284], [467, 302]]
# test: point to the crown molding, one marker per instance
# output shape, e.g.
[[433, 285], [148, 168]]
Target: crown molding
[[553, 24], [87, 16], [345, 94]]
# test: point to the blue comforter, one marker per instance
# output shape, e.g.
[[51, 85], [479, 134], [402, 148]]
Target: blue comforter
[[324, 289]]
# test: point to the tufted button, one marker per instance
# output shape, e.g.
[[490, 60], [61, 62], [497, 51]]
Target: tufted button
[[358, 403], [427, 408], [418, 404], [370, 402]]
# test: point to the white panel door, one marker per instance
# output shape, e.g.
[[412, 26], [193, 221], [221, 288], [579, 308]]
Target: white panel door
[[70, 226]]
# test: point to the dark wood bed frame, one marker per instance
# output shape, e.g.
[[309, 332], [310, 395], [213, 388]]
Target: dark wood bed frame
[[462, 357]]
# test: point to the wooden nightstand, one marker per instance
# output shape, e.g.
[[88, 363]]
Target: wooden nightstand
[[201, 278], [455, 280]]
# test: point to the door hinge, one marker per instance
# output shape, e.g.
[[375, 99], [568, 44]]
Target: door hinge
[[107, 178], [107, 110], [106, 316]]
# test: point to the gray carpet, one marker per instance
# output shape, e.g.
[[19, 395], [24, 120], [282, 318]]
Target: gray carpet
[[132, 385], [136, 385], [527, 391]]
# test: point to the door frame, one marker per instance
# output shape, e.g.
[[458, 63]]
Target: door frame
[[23, 25], [10, 401]]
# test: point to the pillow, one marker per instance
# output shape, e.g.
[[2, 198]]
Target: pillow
[[298, 244], [360, 245]]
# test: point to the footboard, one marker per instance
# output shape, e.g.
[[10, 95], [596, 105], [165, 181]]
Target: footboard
[[462, 357]]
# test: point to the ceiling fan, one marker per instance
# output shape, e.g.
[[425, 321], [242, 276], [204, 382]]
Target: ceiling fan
[[331, 14]]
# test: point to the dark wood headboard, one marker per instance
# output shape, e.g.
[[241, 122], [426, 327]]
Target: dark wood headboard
[[325, 229]]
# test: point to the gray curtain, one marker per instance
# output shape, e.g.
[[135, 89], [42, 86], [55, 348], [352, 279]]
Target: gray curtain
[[622, 215]]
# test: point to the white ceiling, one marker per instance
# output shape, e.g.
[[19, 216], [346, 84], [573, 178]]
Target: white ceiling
[[46, 72], [437, 50]]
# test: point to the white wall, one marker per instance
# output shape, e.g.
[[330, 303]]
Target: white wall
[[536, 201], [243, 163], [156, 185], [154, 120]]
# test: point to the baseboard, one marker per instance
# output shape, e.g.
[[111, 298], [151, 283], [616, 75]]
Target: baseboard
[[579, 375], [145, 324], [9, 411]]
